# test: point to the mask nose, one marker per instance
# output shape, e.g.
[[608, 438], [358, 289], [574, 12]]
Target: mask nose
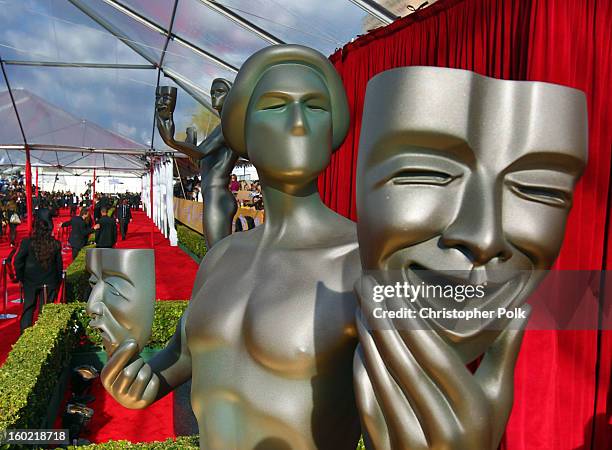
[[477, 230], [298, 121], [94, 303]]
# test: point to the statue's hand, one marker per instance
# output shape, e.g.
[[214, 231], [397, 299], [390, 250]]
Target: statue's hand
[[415, 393], [130, 381], [192, 136]]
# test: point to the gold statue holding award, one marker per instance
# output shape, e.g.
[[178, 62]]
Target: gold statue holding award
[[462, 180]]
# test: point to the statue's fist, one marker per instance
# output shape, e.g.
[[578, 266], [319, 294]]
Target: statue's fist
[[165, 101], [132, 383], [192, 136]]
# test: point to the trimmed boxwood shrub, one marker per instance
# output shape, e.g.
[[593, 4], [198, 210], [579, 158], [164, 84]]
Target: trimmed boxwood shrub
[[33, 367], [183, 442], [191, 240], [77, 278]]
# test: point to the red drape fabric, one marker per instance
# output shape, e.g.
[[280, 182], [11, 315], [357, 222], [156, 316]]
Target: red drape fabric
[[28, 181], [563, 377]]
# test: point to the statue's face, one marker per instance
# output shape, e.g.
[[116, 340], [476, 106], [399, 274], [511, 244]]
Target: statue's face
[[122, 299], [165, 101], [466, 179], [218, 93], [289, 128]]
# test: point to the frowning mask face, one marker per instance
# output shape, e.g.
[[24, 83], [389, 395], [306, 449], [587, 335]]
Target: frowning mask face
[[467, 179], [122, 300]]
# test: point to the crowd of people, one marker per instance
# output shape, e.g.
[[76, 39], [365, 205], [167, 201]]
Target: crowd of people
[[37, 261], [247, 193]]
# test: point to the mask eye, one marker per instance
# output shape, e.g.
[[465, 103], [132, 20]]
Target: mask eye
[[424, 177], [113, 290], [273, 107], [541, 194], [315, 107]]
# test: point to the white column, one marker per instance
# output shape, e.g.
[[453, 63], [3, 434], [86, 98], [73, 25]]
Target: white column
[[170, 203]]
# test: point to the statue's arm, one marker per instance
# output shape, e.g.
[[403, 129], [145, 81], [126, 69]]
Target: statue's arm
[[166, 131], [136, 384], [213, 142]]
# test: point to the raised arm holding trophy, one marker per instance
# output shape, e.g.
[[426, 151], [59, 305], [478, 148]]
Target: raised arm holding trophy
[[216, 159]]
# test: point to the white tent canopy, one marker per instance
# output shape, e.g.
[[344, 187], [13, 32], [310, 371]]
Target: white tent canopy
[[79, 70]]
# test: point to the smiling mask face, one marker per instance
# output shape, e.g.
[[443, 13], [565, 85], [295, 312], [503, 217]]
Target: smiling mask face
[[465, 179], [122, 299]]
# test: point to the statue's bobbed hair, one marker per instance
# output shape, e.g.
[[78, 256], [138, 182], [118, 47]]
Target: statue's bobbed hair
[[234, 114], [227, 83]]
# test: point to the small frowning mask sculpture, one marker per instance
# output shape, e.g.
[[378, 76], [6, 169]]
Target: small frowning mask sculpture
[[122, 299], [461, 180]]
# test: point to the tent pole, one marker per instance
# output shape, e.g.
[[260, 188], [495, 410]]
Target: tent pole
[[28, 180], [93, 195], [36, 183], [151, 187]]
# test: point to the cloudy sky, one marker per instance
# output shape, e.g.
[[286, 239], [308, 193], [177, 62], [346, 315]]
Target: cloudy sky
[[122, 100]]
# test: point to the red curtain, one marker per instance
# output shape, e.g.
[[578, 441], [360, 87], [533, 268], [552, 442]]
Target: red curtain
[[563, 377]]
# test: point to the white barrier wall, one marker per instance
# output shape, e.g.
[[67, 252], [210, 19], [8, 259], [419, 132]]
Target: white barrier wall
[[162, 210]]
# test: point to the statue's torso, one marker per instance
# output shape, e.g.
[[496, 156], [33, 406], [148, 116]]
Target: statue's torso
[[271, 335], [215, 168]]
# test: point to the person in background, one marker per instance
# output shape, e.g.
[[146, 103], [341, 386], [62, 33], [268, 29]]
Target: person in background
[[124, 214], [80, 231], [73, 202], [106, 234], [13, 220], [38, 263], [234, 185]]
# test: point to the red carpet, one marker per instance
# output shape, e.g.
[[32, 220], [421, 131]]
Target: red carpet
[[175, 271], [9, 329]]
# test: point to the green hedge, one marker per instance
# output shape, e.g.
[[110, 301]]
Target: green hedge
[[191, 240], [32, 368], [77, 278], [184, 442]]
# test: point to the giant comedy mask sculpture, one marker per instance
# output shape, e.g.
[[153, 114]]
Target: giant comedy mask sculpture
[[463, 180], [269, 335], [122, 299], [216, 160]]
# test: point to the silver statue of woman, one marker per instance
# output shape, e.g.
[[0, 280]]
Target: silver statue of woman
[[216, 159], [269, 335]]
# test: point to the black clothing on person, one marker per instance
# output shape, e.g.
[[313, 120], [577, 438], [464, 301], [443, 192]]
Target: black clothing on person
[[124, 213], [34, 276], [79, 234], [106, 235]]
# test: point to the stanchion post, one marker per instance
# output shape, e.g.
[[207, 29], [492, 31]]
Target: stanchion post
[[4, 276], [45, 294], [63, 298]]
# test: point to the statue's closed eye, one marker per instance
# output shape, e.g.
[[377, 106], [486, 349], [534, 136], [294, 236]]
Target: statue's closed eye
[[541, 194], [420, 176]]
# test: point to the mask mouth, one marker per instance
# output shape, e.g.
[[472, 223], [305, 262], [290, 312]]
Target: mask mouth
[[465, 290], [110, 331]]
